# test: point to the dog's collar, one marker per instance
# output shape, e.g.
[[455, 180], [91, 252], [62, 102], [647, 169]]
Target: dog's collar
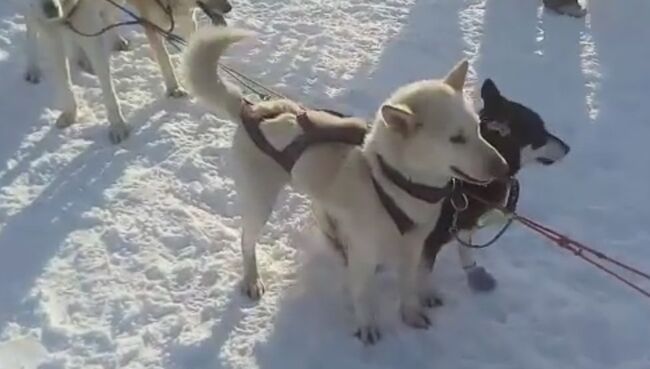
[[419, 191]]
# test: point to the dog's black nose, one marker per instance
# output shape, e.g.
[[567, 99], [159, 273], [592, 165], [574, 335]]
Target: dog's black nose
[[50, 9], [227, 8]]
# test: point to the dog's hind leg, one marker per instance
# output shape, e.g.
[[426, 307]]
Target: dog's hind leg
[[32, 71], [53, 38], [162, 56], [99, 58], [328, 227], [258, 183]]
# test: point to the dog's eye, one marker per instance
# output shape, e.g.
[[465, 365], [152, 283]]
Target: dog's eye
[[458, 139]]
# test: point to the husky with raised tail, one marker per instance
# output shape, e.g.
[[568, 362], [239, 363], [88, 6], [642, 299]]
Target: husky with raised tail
[[381, 188]]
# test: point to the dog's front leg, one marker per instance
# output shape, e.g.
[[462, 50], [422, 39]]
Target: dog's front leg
[[411, 308], [429, 296], [99, 58], [478, 278], [162, 56], [53, 38], [32, 71], [361, 277]]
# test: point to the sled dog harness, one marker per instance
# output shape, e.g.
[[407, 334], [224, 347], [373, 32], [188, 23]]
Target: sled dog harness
[[319, 127], [426, 193], [326, 126]]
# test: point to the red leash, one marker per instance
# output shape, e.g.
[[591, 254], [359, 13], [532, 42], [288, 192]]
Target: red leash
[[579, 249]]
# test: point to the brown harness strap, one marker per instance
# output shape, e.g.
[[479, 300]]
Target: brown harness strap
[[420, 191], [318, 127], [251, 121], [402, 221], [423, 192]]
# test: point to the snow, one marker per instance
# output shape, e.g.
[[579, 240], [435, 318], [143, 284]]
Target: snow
[[127, 256]]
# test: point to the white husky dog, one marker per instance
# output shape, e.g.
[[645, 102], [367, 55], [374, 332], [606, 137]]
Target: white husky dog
[[53, 20], [425, 131]]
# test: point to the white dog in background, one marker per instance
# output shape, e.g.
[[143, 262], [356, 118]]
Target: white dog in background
[[54, 20], [425, 131]]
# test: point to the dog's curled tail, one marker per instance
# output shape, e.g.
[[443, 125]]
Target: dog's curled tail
[[200, 68]]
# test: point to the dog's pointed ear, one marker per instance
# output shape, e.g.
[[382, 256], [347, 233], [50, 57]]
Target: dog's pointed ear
[[456, 77], [490, 93], [399, 118]]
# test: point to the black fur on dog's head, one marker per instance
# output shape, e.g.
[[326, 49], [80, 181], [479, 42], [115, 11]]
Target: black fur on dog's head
[[517, 132]]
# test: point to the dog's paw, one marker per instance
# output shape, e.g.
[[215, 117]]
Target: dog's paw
[[253, 290], [118, 132], [66, 119], [480, 280], [121, 44], [369, 335], [176, 93], [416, 318], [33, 75], [430, 300]]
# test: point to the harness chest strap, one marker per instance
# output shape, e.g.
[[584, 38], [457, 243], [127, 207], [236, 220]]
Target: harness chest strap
[[429, 194], [402, 221]]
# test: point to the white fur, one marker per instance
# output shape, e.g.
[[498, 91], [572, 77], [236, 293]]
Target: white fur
[[553, 150], [411, 131]]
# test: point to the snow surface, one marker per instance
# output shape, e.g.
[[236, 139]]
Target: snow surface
[[127, 256]]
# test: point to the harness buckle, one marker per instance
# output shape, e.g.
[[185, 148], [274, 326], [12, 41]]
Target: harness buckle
[[458, 200]]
